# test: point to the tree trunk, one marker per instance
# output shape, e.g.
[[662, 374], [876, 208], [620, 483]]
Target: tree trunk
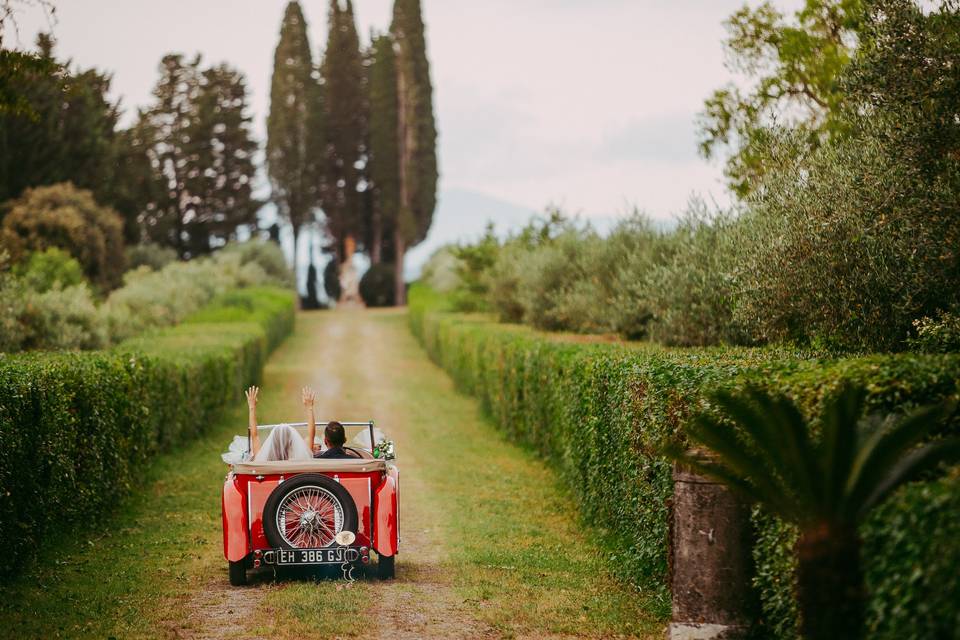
[[830, 588], [376, 239], [400, 291], [710, 562], [296, 237]]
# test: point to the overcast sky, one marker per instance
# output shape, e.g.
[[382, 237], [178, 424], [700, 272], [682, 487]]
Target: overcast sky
[[585, 103]]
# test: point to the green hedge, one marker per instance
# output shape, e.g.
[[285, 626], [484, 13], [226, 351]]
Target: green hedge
[[600, 412], [76, 427]]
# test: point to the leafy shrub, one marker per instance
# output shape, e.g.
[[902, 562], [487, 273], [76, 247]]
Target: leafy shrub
[[689, 289], [49, 269], [151, 299], [63, 216], [602, 412], [151, 255], [937, 335], [440, 272], [61, 319], [331, 280], [76, 428], [848, 248], [377, 286]]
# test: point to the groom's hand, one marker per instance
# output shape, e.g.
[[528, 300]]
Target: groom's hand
[[309, 395]]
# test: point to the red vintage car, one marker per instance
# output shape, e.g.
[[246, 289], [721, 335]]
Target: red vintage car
[[315, 512]]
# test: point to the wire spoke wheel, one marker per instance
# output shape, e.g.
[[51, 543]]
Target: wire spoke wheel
[[309, 517]]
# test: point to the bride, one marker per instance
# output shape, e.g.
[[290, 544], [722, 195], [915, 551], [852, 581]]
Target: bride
[[284, 442]]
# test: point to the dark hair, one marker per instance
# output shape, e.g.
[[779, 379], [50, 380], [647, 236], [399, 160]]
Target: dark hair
[[335, 434]]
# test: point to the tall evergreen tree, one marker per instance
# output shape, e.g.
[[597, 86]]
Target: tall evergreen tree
[[344, 108], [417, 135], [383, 165], [197, 138], [293, 124]]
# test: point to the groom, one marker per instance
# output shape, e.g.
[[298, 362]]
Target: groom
[[334, 438]]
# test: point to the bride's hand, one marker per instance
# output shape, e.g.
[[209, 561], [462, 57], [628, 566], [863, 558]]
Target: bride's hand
[[309, 395], [251, 394]]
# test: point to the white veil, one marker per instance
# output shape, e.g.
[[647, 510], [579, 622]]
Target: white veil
[[284, 443]]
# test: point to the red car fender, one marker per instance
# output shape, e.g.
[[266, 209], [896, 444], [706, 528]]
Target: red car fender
[[236, 544], [386, 509]]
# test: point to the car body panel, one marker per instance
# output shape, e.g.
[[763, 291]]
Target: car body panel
[[236, 539], [386, 504]]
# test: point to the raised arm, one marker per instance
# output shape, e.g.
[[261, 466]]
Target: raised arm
[[251, 394], [308, 397]]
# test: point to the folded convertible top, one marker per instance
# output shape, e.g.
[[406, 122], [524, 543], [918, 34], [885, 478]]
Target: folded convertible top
[[320, 465]]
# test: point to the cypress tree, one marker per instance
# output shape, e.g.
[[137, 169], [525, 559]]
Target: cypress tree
[[417, 135], [383, 166], [293, 124], [344, 112]]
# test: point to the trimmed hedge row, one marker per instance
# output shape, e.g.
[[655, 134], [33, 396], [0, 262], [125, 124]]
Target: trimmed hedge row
[[602, 411], [75, 427]]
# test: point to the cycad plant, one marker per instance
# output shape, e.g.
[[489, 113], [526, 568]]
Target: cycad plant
[[825, 486]]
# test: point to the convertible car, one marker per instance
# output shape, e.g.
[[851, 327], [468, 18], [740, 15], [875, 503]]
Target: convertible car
[[315, 512]]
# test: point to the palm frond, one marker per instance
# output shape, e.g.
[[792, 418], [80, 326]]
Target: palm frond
[[797, 451], [881, 451], [909, 467], [740, 457], [838, 445]]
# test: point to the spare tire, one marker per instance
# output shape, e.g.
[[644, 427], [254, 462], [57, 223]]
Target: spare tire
[[307, 511]]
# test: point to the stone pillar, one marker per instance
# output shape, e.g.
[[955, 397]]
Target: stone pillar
[[710, 566]]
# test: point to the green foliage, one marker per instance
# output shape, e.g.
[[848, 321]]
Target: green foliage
[[61, 127], [151, 299], [440, 271], [78, 427], [602, 413], [377, 286], [770, 456], [49, 269], [150, 255], [68, 318], [850, 248], [63, 216], [795, 66]]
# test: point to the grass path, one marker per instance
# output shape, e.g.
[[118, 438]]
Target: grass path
[[491, 547]]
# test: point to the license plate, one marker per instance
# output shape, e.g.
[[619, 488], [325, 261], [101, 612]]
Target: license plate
[[329, 555]]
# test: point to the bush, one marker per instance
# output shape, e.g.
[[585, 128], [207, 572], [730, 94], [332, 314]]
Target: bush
[[602, 412], [378, 287], [50, 269], [150, 255], [63, 216], [77, 428], [440, 272], [848, 248], [331, 280], [689, 289], [151, 299]]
